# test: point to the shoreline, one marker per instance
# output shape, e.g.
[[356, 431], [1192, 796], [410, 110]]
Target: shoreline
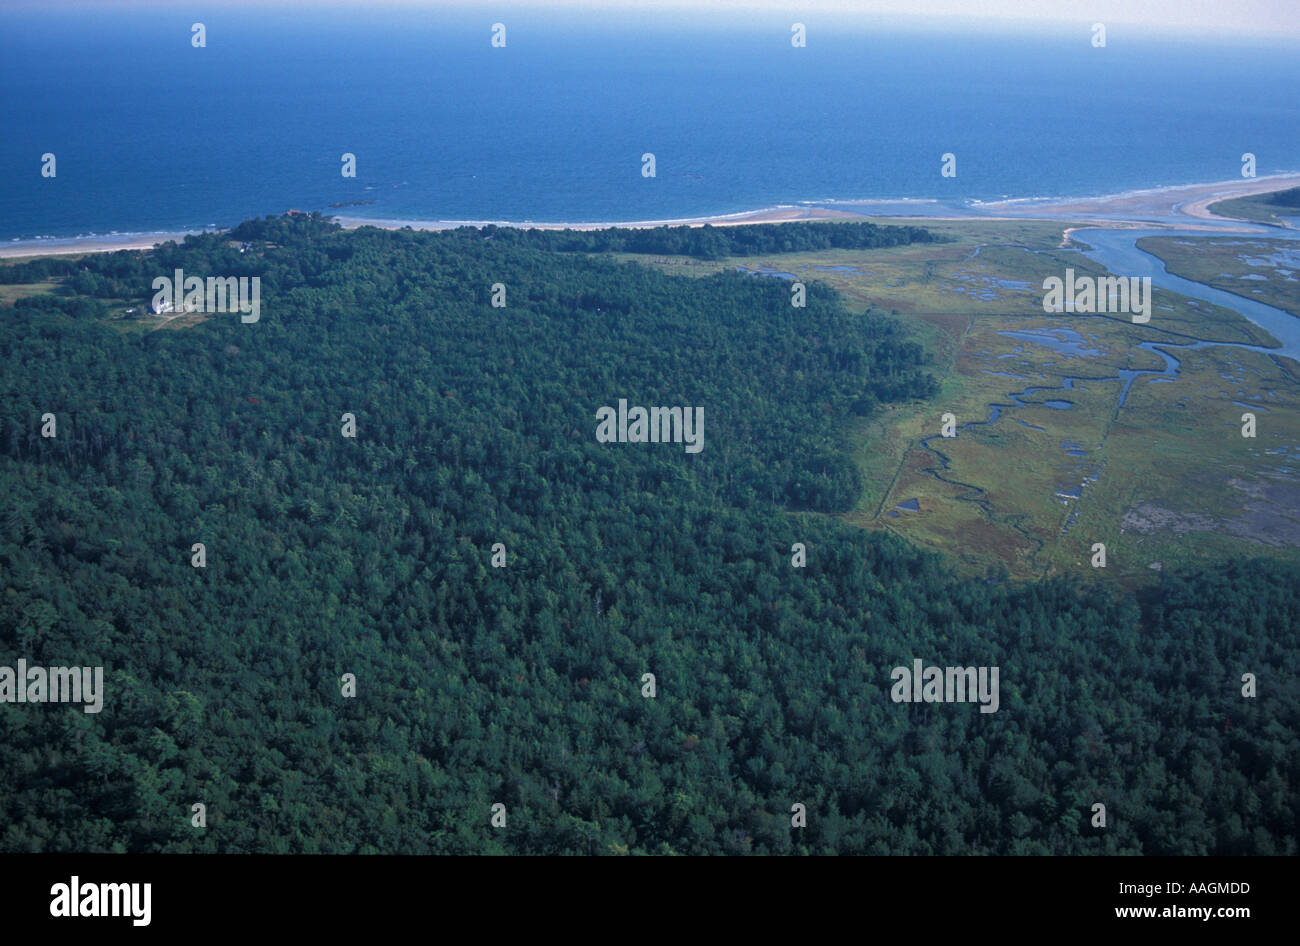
[[1180, 205], [68, 246]]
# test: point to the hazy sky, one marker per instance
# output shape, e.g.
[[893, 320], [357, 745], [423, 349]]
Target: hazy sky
[[1250, 16], [1276, 17]]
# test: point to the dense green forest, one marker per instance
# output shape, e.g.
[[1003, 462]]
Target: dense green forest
[[709, 242], [706, 242], [1286, 198], [522, 685]]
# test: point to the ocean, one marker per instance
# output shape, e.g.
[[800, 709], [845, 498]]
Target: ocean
[[151, 134]]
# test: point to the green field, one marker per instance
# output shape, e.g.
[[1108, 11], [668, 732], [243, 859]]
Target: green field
[[1165, 480], [11, 292], [1256, 268]]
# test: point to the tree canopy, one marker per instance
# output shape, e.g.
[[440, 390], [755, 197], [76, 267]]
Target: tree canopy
[[522, 685]]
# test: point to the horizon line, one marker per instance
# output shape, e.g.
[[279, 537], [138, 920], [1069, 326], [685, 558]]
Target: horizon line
[[1261, 20]]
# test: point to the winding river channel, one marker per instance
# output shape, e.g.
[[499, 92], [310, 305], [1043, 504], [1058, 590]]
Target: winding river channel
[[1118, 252]]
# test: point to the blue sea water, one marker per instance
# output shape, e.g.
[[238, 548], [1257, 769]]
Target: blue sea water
[[152, 134]]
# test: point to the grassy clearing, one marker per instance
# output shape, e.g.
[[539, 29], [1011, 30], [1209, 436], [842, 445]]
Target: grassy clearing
[[10, 293]]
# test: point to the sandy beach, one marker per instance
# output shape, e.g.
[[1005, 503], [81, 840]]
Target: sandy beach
[[1176, 205], [28, 248], [1185, 206], [779, 214]]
